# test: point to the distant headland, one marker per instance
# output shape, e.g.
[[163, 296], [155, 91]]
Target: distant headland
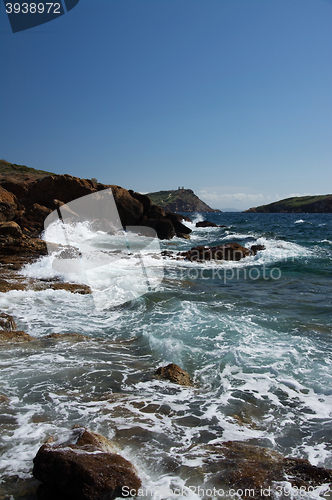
[[298, 204], [180, 200]]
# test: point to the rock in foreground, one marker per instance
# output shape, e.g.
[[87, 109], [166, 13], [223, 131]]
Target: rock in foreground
[[82, 470], [243, 466]]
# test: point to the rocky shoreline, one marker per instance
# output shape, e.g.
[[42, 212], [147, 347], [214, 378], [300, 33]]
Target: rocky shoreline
[[88, 466]]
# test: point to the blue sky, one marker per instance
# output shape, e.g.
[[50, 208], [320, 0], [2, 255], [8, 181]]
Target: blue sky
[[231, 98]]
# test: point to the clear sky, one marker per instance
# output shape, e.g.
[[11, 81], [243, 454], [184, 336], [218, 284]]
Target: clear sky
[[231, 98]]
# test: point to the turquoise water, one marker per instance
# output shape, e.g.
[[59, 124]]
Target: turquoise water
[[254, 335]]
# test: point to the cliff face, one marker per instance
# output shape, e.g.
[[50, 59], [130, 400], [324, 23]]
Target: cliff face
[[27, 197], [301, 204], [180, 200]]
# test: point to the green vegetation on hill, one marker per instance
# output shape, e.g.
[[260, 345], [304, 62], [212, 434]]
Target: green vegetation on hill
[[8, 169], [300, 204], [180, 200]]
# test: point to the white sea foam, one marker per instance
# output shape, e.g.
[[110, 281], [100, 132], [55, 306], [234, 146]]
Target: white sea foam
[[262, 373]]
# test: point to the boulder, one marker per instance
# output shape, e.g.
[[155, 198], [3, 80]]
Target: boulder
[[178, 226], [163, 227], [156, 212], [142, 198], [184, 217], [62, 187], [7, 322], [229, 251], [83, 469], [10, 228], [33, 218], [129, 208], [18, 188], [256, 248], [174, 374]]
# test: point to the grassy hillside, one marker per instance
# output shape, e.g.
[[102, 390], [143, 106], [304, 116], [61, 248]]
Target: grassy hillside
[[8, 169], [300, 204], [180, 200]]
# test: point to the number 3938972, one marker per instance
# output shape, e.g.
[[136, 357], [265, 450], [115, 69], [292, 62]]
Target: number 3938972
[[33, 8]]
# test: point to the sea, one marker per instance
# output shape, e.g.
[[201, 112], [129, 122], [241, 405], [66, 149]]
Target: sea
[[254, 335]]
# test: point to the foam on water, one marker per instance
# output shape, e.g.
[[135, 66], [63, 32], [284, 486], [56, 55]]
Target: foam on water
[[259, 352]]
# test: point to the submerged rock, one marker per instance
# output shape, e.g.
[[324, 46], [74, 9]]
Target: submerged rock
[[3, 398], [15, 336], [74, 336], [173, 373], [82, 469], [243, 466]]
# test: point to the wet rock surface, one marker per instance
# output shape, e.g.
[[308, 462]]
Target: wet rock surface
[[15, 336], [206, 223], [7, 322], [82, 469], [229, 251], [242, 466], [174, 374]]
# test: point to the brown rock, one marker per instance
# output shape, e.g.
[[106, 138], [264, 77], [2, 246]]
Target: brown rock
[[229, 251], [6, 286], [71, 287], [15, 336], [156, 212], [8, 205], [142, 198], [67, 336], [7, 322], [184, 217], [163, 227], [10, 228], [27, 246], [173, 373], [84, 470], [62, 187], [178, 226], [256, 248], [3, 399], [33, 218], [129, 208], [243, 466], [17, 187]]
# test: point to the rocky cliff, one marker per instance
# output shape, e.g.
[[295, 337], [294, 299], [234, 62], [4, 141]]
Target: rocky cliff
[[180, 200], [27, 197], [300, 204]]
